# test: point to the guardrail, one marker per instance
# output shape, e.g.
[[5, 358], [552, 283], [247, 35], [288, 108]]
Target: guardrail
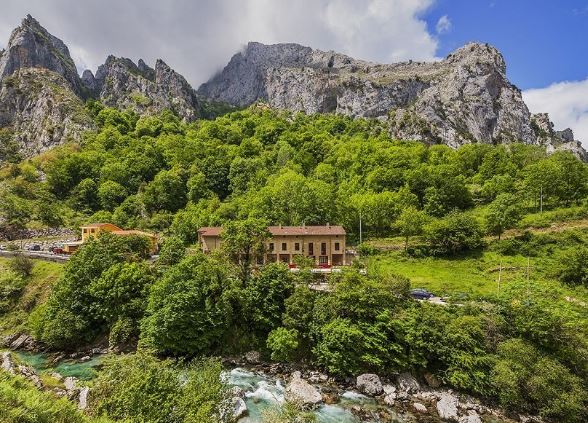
[[36, 255]]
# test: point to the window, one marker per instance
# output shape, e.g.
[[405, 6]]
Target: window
[[323, 248], [310, 249], [337, 246], [271, 246], [323, 260], [296, 246], [284, 246]]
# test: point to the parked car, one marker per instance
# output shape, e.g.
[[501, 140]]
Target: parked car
[[57, 250], [420, 294], [35, 247]]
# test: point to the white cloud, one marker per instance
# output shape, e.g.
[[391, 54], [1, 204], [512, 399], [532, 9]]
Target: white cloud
[[198, 37], [443, 25], [566, 103]]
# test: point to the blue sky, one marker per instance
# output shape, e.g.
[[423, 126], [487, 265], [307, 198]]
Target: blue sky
[[542, 41]]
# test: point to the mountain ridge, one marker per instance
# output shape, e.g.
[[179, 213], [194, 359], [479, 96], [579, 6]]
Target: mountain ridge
[[461, 99]]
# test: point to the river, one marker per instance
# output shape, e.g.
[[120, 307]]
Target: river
[[262, 392]]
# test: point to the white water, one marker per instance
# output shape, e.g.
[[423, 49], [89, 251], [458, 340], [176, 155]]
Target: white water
[[263, 392]]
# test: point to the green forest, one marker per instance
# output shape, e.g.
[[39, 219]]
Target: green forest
[[467, 213]]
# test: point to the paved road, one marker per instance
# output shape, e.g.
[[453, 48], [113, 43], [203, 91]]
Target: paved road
[[37, 255]]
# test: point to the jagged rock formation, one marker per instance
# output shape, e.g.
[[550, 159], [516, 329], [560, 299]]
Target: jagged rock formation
[[121, 83], [464, 98], [31, 46], [42, 96], [39, 110], [556, 140]]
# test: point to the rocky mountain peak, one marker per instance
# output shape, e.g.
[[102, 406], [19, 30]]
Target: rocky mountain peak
[[464, 98], [32, 46], [479, 54]]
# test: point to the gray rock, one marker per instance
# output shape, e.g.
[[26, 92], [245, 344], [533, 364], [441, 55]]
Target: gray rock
[[239, 408], [369, 384], [119, 82], [7, 363], [253, 357], [472, 417], [389, 389], [419, 408], [70, 384], [408, 383], [83, 398], [300, 392], [447, 406]]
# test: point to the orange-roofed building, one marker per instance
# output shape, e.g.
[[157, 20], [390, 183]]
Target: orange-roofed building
[[95, 229], [325, 245]]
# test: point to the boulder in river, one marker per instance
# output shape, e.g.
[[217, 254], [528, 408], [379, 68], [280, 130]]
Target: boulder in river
[[301, 392], [239, 408], [447, 406], [369, 384]]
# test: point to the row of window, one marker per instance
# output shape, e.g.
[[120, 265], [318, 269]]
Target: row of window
[[310, 247]]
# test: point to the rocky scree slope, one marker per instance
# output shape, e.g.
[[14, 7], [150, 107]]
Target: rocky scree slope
[[464, 98]]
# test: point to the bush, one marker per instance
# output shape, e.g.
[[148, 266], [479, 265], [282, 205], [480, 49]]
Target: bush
[[190, 308], [172, 251], [283, 343], [572, 266], [22, 265], [454, 233], [139, 387], [11, 284]]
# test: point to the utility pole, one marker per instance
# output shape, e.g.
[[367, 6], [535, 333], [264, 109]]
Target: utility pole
[[360, 231], [499, 276], [528, 271]]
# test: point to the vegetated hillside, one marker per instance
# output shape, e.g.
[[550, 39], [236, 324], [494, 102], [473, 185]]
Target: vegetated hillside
[[523, 347]]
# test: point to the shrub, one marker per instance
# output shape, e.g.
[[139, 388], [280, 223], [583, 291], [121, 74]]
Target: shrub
[[572, 266], [22, 265], [283, 343], [139, 387], [454, 233]]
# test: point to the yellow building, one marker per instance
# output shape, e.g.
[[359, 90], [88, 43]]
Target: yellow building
[[325, 245], [93, 230]]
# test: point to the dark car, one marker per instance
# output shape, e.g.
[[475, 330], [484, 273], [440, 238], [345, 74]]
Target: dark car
[[420, 294]]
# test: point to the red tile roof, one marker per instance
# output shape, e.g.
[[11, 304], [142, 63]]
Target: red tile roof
[[284, 230]]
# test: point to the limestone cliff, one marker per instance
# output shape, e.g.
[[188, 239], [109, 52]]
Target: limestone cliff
[[39, 110], [464, 98], [121, 83]]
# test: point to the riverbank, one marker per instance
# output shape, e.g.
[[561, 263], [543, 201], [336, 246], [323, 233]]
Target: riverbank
[[261, 387]]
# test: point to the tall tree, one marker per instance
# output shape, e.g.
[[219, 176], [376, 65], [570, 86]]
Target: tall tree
[[243, 240]]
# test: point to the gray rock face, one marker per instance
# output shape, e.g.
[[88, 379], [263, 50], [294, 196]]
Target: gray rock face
[[556, 140], [462, 99], [121, 83], [39, 110], [369, 384], [31, 46], [302, 393]]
